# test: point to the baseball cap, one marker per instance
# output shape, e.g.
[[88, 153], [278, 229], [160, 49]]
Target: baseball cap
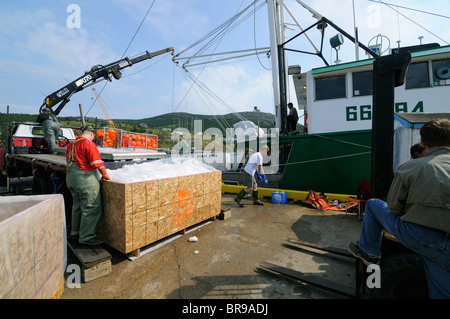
[[87, 128]]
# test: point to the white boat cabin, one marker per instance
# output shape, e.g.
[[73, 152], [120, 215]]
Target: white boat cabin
[[338, 98]]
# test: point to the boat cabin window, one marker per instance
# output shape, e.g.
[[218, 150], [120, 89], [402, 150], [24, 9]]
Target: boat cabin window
[[417, 76], [441, 72], [362, 83], [330, 88]]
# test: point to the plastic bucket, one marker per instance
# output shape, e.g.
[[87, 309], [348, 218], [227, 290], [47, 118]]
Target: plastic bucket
[[279, 197]]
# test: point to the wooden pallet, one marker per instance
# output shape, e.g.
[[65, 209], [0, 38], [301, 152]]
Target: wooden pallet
[[95, 260]]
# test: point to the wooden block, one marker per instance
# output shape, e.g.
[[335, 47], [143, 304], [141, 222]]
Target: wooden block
[[225, 213], [97, 271], [89, 255], [95, 260]]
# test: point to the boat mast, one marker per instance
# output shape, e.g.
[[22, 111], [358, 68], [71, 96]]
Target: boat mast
[[277, 37]]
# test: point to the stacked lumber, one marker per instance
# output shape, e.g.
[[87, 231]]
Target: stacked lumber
[[32, 246], [140, 213]]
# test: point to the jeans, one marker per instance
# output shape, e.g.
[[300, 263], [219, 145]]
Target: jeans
[[432, 246]]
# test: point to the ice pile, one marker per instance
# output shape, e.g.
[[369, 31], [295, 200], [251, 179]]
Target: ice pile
[[164, 168]]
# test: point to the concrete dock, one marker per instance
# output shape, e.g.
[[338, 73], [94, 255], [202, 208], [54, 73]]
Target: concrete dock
[[224, 263]]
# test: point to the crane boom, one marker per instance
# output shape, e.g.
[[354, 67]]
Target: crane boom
[[97, 72]]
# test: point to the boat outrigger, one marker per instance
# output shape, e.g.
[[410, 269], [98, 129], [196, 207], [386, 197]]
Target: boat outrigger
[[334, 153]]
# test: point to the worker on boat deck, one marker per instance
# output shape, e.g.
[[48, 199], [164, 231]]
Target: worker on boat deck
[[85, 171], [292, 118], [417, 211], [252, 172], [51, 127]]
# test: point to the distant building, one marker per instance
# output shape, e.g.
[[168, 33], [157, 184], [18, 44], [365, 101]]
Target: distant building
[[143, 125]]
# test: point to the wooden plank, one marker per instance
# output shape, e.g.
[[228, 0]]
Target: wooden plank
[[89, 256], [225, 213], [311, 279], [330, 249]]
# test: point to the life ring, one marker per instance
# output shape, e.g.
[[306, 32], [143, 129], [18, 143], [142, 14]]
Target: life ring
[[443, 72]]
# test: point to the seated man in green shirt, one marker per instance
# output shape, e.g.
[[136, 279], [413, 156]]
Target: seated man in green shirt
[[417, 211]]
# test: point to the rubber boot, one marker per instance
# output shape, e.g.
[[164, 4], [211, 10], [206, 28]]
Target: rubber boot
[[240, 196], [256, 200]]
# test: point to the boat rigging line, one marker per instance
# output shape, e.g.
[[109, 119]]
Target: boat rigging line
[[254, 38], [217, 35], [214, 38], [407, 8], [326, 159], [390, 6], [123, 54]]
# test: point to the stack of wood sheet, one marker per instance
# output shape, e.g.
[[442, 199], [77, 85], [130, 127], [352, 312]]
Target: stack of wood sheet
[[32, 246], [140, 213]]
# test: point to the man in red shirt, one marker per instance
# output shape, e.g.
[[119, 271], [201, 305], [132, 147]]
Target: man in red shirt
[[84, 171]]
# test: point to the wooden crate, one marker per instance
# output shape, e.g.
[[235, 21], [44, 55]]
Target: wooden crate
[[138, 214], [32, 246]]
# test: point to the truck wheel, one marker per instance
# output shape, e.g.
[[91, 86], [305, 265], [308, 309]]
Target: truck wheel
[[402, 277]]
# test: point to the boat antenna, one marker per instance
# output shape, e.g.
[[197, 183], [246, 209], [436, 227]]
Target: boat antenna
[[356, 33]]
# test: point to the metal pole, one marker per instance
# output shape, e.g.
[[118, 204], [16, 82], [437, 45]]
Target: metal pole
[[388, 72], [356, 33], [271, 8], [83, 123]]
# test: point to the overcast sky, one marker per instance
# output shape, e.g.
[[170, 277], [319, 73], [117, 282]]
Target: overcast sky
[[47, 43]]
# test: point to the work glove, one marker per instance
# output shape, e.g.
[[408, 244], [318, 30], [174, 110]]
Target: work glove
[[258, 176], [264, 179], [105, 175]]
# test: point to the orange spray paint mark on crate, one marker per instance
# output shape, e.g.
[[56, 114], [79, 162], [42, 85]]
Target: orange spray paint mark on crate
[[182, 205]]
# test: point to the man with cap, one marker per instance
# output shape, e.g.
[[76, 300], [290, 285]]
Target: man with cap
[[85, 171], [51, 128]]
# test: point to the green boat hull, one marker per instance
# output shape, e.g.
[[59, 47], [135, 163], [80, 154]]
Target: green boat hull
[[329, 163]]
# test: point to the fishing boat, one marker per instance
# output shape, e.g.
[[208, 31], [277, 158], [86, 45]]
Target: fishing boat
[[334, 152]]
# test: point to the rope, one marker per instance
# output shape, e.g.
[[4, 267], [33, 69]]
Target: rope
[[326, 159], [398, 12], [128, 46], [341, 141], [217, 35]]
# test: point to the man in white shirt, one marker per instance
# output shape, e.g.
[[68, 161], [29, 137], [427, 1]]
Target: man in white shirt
[[253, 171]]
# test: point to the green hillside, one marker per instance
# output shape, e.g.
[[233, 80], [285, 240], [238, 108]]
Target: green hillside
[[186, 120], [156, 124]]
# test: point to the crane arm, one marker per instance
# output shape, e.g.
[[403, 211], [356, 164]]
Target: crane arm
[[97, 73]]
